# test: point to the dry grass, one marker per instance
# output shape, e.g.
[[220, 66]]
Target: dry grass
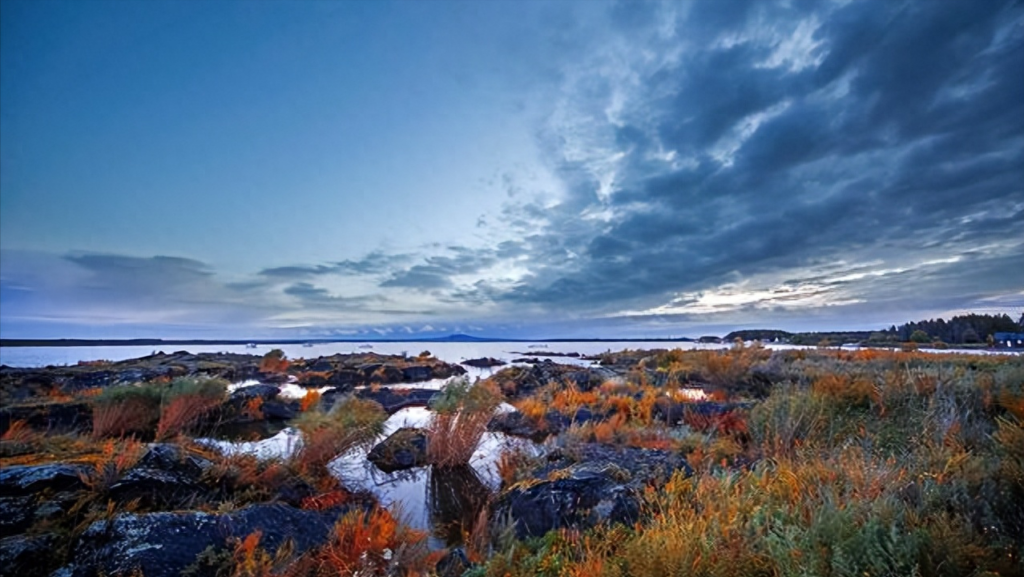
[[460, 418], [327, 435]]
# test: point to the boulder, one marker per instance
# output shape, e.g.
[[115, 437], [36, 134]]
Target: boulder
[[27, 479], [16, 514], [165, 477], [26, 555], [404, 449], [580, 500], [415, 373], [484, 363], [592, 484], [394, 400], [164, 544]]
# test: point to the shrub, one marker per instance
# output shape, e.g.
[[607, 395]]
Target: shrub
[[371, 543], [274, 362], [126, 410], [350, 423], [186, 402], [461, 414]]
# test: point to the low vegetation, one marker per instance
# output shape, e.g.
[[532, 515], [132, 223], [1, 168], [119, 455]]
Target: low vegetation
[[459, 421], [803, 462]]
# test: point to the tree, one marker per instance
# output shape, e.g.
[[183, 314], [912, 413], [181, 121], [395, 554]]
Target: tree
[[920, 336]]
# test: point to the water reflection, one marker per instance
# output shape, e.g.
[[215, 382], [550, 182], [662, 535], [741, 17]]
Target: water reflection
[[455, 498]]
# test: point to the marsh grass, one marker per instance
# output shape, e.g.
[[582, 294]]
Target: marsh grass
[[326, 435], [854, 463], [461, 414]]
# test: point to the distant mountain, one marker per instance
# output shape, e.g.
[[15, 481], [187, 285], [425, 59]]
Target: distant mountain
[[461, 338]]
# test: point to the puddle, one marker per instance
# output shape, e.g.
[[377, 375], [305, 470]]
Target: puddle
[[442, 502]]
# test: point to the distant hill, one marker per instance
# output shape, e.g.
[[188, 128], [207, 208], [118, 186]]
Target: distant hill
[[461, 338]]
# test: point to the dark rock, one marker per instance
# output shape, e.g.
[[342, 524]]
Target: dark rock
[[453, 564], [593, 484], [580, 501], [386, 374], [404, 449], [671, 412], [50, 417], [245, 394], [484, 363], [521, 381], [394, 400], [16, 514], [165, 477], [329, 397], [346, 379], [156, 488], [321, 365], [280, 410], [170, 457], [417, 373], [516, 424], [163, 544], [26, 479], [27, 556]]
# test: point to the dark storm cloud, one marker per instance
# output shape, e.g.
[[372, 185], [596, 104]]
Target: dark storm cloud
[[797, 134]]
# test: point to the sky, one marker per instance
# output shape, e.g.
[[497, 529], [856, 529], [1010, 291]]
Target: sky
[[515, 169]]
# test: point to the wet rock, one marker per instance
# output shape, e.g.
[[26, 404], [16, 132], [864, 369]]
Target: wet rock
[[453, 564], [27, 556], [271, 406], [166, 477], [581, 500], [404, 449], [163, 544], [516, 424], [16, 514], [171, 457], [245, 394], [417, 373], [584, 486], [346, 379], [484, 363], [394, 400], [27, 479], [521, 381]]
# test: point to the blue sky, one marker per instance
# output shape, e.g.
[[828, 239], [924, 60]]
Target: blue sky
[[256, 169]]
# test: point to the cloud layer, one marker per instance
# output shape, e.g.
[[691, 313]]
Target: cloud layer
[[712, 162]]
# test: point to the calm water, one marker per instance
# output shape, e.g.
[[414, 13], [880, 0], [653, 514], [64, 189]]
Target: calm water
[[450, 352]]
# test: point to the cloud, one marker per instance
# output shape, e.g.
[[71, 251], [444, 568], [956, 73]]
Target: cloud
[[746, 139]]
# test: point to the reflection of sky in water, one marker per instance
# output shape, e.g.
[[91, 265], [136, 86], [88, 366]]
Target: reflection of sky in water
[[406, 492]]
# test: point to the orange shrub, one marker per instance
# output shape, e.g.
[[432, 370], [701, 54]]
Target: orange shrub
[[845, 389], [274, 362], [182, 413], [132, 416], [309, 400], [366, 543]]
